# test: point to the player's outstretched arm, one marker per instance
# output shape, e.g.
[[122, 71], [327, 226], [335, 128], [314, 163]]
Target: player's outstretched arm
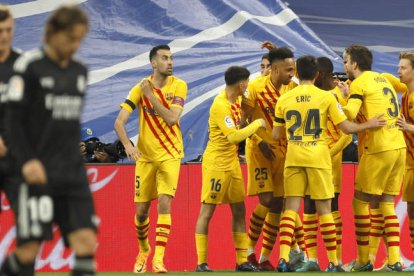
[[351, 127], [237, 136], [119, 126]]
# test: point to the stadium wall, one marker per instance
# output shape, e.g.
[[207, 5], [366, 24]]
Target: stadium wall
[[113, 187]]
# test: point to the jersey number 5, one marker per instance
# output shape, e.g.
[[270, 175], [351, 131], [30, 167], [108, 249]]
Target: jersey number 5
[[312, 124]]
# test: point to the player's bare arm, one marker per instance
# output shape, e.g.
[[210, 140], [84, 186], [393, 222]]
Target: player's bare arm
[[120, 122], [170, 115], [351, 127]]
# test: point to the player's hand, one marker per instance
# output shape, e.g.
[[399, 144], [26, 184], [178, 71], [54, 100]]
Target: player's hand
[[267, 150], [132, 152], [404, 125], [146, 88], [102, 156], [82, 148], [268, 45], [3, 148], [344, 87], [34, 172], [263, 122], [376, 122]]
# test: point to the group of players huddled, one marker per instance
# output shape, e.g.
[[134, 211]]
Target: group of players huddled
[[295, 133]]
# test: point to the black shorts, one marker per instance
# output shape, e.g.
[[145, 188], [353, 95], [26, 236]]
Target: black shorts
[[9, 181], [71, 208]]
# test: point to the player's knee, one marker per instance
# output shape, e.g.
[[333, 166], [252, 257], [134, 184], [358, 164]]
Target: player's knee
[[309, 206], [164, 204], [323, 207], [141, 217], [83, 242], [265, 199], [27, 252], [277, 205]]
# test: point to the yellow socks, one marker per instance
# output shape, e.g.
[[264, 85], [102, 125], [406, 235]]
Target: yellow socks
[[162, 233], [328, 232], [392, 231], [256, 223], [142, 233], [201, 246], [362, 229], [270, 230], [287, 227], [310, 228], [338, 225], [377, 223], [240, 243]]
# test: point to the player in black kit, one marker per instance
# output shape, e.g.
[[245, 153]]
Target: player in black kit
[[8, 173], [45, 99]]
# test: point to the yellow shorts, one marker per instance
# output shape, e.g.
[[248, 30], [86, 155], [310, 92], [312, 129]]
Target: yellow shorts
[[337, 172], [408, 185], [156, 178], [220, 187], [264, 175], [381, 173], [312, 181]]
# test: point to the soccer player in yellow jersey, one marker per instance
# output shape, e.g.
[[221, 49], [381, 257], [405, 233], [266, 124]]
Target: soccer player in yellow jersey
[[337, 141], [382, 164], [160, 102], [406, 74], [304, 113], [265, 157], [222, 180]]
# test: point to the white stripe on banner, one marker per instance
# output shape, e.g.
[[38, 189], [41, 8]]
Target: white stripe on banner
[[39, 6], [182, 44], [379, 48]]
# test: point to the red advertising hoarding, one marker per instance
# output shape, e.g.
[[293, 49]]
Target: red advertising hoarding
[[112, 187]]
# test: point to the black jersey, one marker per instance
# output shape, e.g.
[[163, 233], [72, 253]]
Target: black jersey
[[6, 71], [43, 115]]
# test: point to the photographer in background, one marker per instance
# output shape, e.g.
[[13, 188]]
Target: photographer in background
[[94, 151], [89, 150]]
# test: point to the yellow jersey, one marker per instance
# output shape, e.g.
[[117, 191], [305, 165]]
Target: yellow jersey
[[157, 141], [373, 95], [262, 96], [407, 109], [304, 113], [333, 132], [224, 119]]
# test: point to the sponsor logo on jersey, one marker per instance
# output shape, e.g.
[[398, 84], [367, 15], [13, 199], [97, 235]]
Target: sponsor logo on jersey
[[47, 82]]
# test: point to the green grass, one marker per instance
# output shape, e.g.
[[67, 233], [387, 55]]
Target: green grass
[[228, 273]]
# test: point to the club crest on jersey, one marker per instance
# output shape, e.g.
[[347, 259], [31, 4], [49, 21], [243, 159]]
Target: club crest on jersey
[[410, 105], [169, 96], [47, 82], [81, 84], [229, 121], [16, 89]]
